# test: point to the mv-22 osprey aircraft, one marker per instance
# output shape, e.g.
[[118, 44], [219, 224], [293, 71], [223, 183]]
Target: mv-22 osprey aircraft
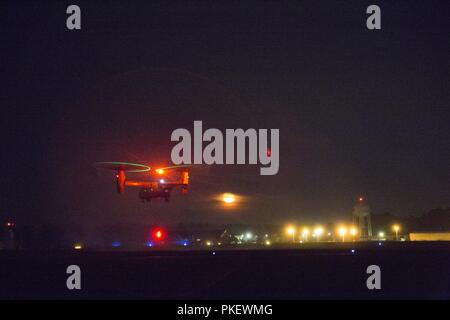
[[161, 184]]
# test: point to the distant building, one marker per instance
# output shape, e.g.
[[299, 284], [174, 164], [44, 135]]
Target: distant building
[[362, 219], [429, 236]]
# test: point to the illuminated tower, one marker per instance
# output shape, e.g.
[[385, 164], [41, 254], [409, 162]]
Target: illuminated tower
[[361, 219]]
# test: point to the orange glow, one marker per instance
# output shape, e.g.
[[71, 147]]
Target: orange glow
[[361, 199], [160, 171], [228, 198]]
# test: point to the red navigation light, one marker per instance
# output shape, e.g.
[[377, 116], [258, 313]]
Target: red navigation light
[[269, 152], [10, 225], [158, 234]]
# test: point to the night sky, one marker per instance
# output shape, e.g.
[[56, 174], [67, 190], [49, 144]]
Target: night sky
[[360, 112]]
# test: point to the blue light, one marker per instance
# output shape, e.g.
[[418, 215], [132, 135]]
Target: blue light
[[149, 244], [116, 244], [182, 242]]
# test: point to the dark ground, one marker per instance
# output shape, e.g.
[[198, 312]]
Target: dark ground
[[331, 271]]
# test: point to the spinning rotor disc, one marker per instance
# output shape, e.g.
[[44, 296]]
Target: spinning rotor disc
[[125, 166]]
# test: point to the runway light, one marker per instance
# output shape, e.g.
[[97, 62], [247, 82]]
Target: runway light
[[353, 250], [267, 243], [290, 231], [116, 244], [208, 243], [305, 233], [342, 232], [381, 234], [158, 234], [10, 225], [149, 244], [396, 228], [353, 232], [248, 235], [78, 246], [318, 231]]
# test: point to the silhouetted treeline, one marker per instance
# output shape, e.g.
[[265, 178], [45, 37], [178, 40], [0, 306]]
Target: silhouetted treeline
[[435, 220], [50, 236]]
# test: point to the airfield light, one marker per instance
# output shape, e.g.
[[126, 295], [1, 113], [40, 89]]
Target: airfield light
[[158, 234], [10, 225], [318, 231], [248, 235], [353, 232], [159, 171], [78, 246], [161, 181], [360, 199], [228, 198], [305, 233], [342, 232], [208, 243], [381, 235], [116, 244], [267, 242], [396, 228], [290, 230]]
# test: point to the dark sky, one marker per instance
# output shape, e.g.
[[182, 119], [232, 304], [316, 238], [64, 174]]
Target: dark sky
[[360, 112]]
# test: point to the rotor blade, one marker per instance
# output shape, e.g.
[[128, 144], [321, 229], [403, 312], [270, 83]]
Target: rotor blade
[[125, 166]]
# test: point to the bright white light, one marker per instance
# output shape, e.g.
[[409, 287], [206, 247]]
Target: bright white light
[[318, 231], [290, 230], [248, 235], [161, 181], [305, 232], [342, 231]]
